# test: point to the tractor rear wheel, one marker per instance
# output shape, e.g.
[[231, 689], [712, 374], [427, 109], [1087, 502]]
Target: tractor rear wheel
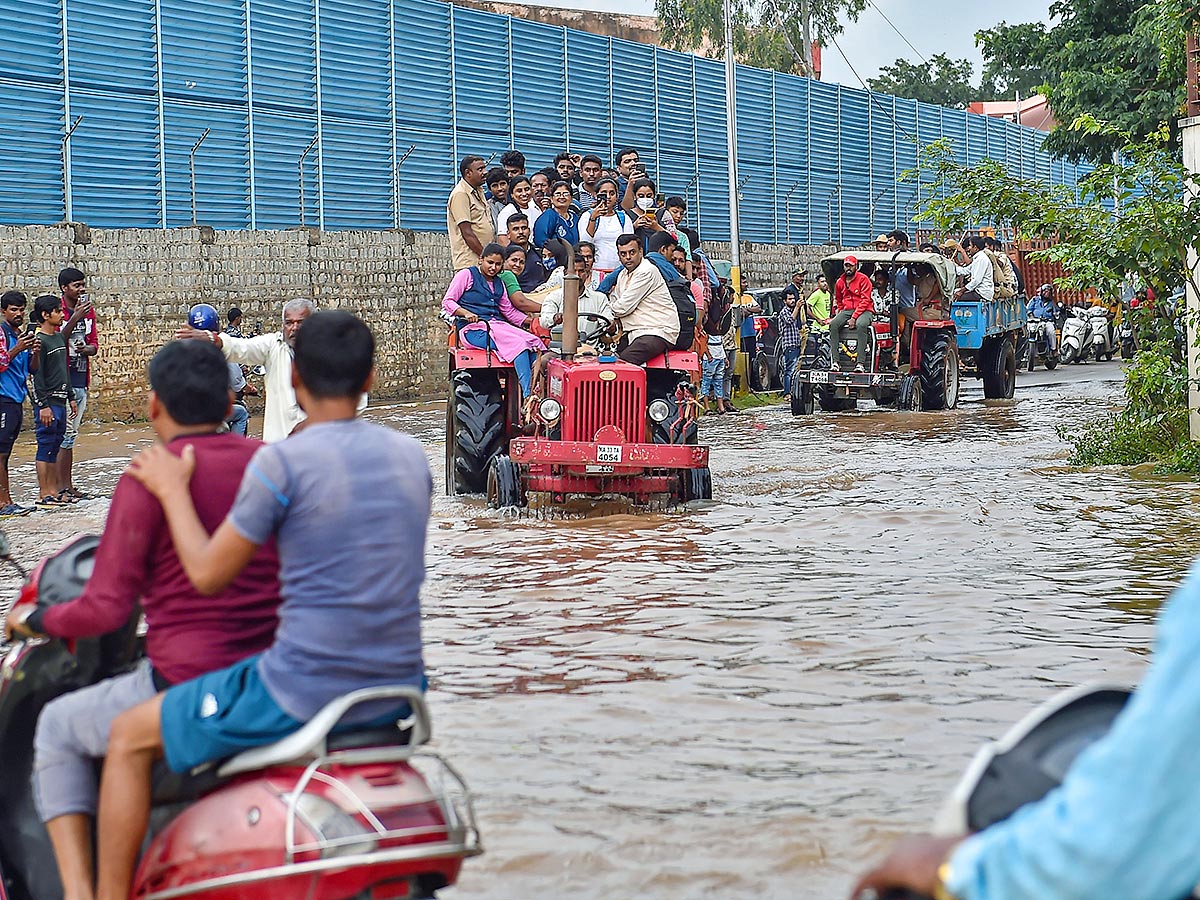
[[998, 361], [939, 371], [505, 488], [697, 484], [477, 428]]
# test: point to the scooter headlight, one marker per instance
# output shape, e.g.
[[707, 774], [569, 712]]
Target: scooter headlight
[[550, 409], [659, 410]]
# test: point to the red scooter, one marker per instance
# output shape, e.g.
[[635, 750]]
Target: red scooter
[[357, 815]]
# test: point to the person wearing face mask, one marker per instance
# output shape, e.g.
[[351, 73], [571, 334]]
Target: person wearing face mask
[[648, 217], [603, 224], [520, 200]]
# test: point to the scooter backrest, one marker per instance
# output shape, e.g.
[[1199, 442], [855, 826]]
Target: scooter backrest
[[64, 574]]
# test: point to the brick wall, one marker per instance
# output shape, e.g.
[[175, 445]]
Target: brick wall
[[142, 282]]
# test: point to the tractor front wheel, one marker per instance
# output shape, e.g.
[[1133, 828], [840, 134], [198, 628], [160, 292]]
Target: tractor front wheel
[[909, 395], [697, 484], [505, 487], [803, 398]]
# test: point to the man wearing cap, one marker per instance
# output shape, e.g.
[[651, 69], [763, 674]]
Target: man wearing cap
[[881, 243], [852, 306]]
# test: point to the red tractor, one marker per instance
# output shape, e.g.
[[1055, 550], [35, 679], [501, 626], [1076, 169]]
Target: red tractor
[[604, 427]]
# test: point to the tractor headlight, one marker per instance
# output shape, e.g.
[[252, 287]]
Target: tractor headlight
[[659, 410], [550, 409]]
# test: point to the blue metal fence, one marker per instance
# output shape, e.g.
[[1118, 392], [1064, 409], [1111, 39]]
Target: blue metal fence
[[386, 95]]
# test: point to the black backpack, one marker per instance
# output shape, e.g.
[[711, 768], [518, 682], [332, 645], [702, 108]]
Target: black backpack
[[685, 305], [719, 315]]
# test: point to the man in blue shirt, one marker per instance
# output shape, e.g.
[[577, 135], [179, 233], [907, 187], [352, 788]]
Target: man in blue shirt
[[1124, 824], [1041, 307], [14, 386], [348, 504]]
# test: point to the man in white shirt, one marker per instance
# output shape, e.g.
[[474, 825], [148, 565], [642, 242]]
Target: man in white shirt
[[274, 353], [981, 283], [642, 302]]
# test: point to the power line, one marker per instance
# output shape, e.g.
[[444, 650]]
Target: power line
[[870, 93], [897, 30]]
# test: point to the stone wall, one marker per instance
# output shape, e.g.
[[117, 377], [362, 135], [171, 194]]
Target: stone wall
[[772, 265], [142, 282]]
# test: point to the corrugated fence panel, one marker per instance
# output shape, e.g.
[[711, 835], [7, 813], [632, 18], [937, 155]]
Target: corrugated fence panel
[[882, 135], [481, 82], [824, 131], [905, 114], [677, 174], [977, 137], [633, 99], [856, 186], [204, 85], [222, 188], [112, 45], [284, 80], [541, 123], [791, 144], [114, 160], [31, 112], [591, 103], [713, 215], [756, 155], [356, 110], [30, 162], [423, 115], [998, 140]]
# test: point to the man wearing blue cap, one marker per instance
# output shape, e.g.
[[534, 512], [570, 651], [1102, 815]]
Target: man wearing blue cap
[[204, 317]]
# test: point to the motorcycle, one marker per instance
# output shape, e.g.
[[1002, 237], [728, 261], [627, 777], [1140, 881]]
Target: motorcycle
[[1077, 339], [1038, 345], [1127, 334], [1104, 341], [1028, 762], [320, 815]]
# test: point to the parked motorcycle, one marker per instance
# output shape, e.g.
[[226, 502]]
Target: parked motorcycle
[[1077, 339], [1104, 338], [1038, 345], [317, 816], [1027, 763], [1127, 335]]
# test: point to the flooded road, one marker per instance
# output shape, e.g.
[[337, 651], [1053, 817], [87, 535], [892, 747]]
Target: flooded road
[[750, 697]]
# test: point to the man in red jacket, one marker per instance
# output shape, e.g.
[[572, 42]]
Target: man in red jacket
[[189, 634], [852, 306]]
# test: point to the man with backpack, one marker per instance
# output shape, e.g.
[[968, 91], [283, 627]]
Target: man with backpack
[[643, 304]]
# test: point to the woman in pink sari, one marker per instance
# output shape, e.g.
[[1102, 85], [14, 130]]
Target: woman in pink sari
[[477, 296]]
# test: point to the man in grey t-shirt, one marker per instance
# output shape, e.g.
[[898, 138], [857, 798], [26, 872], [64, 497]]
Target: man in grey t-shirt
[[348, 503]]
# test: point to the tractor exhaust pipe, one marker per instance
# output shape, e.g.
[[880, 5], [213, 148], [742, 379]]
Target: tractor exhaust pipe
[[570, 307]]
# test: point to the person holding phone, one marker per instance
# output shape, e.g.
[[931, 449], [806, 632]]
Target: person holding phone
[[603, 224], [648, 216]]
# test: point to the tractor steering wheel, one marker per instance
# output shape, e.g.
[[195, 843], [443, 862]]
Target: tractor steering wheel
[[610, 332]]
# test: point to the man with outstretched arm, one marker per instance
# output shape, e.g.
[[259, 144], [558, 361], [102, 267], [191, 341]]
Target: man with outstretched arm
[[189, 633], [348, 502]]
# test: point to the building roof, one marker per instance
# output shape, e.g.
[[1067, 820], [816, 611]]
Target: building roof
[[1034, 111]]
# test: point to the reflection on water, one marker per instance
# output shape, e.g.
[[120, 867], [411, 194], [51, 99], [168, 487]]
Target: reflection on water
[[752, 696]]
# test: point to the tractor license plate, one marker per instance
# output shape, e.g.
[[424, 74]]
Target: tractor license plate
[[818, 377], [599, 470], [606, 453]]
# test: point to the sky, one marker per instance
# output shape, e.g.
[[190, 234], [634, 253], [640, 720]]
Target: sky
[[933, 26]]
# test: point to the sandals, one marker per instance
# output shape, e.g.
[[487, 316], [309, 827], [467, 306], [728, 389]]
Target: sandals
[[75, 494], [64, 496], [52, 502]]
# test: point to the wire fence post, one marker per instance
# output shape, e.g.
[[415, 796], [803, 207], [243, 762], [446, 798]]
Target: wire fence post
[[396, 185], [307, 150], [66, 168], [192, 169], [787, 201]]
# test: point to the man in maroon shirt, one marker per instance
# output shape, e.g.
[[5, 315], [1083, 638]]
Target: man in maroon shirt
[[188, 635], [852, 306]]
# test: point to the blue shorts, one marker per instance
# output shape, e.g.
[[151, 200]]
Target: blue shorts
[[225, 712], [50, 437]]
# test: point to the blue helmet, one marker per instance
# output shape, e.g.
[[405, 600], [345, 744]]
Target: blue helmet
[[204, 317]]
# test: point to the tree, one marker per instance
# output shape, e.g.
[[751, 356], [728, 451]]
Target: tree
[[944, 81], [1149, 240], [768, 34], [1013, 56], [1115, 60]]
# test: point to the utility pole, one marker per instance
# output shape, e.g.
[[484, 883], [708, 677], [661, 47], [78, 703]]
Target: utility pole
[[1189, 132], [735, 247]]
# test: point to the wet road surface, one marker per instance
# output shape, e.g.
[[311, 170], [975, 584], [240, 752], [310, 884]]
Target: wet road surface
[[750, 697]]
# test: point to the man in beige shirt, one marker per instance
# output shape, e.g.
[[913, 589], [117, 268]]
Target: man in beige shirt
[[643, 303], [468, 217]]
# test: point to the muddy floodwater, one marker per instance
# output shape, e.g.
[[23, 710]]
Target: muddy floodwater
[[750, 697]]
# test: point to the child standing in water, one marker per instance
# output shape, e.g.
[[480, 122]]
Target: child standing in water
[[51, 397]]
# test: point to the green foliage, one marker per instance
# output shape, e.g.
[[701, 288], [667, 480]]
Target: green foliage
[[767, 33], [943, 81], [1012, 60], [1118, 60]]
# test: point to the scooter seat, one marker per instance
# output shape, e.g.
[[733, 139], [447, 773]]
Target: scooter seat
[[173, 787], [390, 736]]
